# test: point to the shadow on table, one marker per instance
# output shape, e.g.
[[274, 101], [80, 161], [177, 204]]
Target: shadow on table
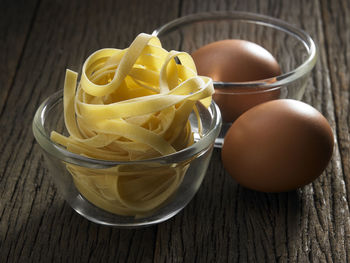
[[60, 234], [226, 221]]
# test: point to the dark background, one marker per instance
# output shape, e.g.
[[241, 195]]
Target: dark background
[[224, 222]]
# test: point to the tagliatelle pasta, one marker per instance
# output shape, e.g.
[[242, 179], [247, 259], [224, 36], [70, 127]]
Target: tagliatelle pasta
[[131, 104]]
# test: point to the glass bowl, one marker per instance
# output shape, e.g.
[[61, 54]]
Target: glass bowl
[[71, 172], [293, 48]]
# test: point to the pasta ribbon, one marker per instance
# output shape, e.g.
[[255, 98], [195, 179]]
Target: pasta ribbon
[[131, 104]]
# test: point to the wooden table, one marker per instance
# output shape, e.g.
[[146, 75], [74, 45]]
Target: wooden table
[[224, 222]]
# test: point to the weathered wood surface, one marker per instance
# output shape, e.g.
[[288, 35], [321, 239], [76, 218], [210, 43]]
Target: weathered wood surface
[[224, 222]]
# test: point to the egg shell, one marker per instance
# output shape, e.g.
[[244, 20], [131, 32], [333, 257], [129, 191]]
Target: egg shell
[[234, 101], [278, 146], [236, 60]]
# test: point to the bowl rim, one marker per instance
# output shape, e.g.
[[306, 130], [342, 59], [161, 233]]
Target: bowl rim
[[63, 154], [264, 20]]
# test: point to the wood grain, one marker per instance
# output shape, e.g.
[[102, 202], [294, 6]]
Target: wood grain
[[238, 225], [36, 224], [224, 222], [14, 35]]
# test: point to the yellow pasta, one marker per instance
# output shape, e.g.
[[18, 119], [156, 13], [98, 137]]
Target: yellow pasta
[[131, 104]]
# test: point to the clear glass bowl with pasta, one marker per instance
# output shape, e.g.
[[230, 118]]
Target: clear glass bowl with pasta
[[87, 184]]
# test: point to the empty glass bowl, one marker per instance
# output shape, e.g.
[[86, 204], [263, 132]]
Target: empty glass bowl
[[80, 179], [293, 48]]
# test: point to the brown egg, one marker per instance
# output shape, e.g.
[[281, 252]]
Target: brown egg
[[235, 60], [278, 146], [234, 101]]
